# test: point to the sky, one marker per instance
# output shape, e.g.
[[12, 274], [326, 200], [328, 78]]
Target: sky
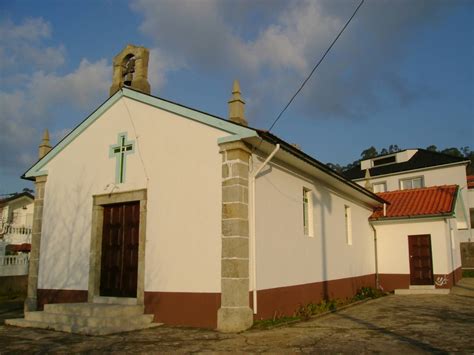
[[402, 72]]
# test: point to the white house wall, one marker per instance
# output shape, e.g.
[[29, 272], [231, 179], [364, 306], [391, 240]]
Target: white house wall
[[177, 160]]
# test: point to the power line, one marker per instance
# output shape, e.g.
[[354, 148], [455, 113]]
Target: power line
[[316, 66]]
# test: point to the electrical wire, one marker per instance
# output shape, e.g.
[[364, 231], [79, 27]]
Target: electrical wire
[[316, 66]]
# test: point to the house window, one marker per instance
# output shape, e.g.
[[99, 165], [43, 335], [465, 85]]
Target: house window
[[307, 212], [384, 161], [348, 222], [380, 187], [412, 183]]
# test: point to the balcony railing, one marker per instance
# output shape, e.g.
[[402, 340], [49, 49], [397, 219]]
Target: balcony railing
[[14, 265]]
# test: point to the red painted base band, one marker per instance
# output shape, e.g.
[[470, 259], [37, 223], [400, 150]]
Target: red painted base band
[[46, 296], [391, 282]]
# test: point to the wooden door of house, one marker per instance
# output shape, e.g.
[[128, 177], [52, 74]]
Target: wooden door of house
[[421, 261], [119, 260]]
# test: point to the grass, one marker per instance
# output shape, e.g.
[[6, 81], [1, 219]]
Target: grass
[[307, 311]]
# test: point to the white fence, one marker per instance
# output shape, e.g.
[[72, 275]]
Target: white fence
[[14, 265]]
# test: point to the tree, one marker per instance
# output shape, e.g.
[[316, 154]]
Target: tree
[[369, 153], [432, 148], [452, 151]]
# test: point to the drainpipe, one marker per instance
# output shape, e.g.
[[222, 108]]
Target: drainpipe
[[377, 282], [252, 176]]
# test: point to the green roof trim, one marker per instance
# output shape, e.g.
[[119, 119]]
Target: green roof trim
[[236, 130]]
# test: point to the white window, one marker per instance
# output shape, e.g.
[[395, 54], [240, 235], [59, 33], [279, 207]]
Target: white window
[[380, 187], [412, 183], [307, 212], [348, 221]]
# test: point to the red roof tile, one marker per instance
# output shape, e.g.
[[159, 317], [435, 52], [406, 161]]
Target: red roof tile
[[428, 201], [470, 181]]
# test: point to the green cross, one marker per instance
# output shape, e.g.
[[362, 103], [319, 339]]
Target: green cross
[[120, 151]]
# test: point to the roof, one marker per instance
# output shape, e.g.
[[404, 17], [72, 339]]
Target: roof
[[271, 138], [470, 181], [421, 159], [16, 196], [235, 130], [425, 202]]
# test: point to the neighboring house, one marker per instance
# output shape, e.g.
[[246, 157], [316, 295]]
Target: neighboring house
[[429, 204], [417, 168], [202, 221], [16, 220]]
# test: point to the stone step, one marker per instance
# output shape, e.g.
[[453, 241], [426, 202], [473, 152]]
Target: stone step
[[84, 330], [422, 287], [115, 300], [89, 321], [92, 309], [436, 291]]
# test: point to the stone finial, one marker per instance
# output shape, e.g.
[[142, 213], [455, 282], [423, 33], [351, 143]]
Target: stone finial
[[130, 69], [237, 105], [44, 147], [368, 185]]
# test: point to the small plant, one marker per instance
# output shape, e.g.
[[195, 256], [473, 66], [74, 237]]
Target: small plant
[[367, 292]]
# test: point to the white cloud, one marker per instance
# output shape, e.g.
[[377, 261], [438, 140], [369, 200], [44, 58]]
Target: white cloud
[[275, 45], [23, 45]]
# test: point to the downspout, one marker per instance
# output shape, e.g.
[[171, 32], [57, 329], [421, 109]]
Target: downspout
[[377, 281], [253, 243]]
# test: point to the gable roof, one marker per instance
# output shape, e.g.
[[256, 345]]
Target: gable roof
[[421, 159], [15, 197], [425, 202], [166, 105], [236, 132]]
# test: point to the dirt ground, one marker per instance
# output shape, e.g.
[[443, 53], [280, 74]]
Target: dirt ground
[[393, 324]]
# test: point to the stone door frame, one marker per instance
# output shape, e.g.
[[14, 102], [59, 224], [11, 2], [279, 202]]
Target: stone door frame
[[96, 239]]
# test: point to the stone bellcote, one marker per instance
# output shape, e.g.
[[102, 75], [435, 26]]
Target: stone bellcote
[[45, 146], [237, 106], [130, 69]]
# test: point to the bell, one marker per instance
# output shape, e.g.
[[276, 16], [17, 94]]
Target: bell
[[128, 79]]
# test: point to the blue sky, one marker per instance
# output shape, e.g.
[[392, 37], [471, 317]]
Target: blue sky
[[402, 73]]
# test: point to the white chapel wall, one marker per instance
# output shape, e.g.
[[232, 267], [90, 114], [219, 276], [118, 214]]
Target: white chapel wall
[[177, 160], [285, 255]]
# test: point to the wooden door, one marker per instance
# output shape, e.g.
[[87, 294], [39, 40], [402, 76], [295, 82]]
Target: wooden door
[[421, 262], [119, 260]]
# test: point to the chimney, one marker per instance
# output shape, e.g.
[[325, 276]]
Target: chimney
[[237, 106], [44, 147]]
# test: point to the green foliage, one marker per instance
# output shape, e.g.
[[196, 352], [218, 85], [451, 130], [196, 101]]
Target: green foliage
[[368, 292], [468, 273]]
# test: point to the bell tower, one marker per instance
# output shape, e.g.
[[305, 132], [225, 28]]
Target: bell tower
[[130, 69]]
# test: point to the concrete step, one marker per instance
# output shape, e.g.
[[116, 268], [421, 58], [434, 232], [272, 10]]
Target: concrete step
[[87, 318], [84, 330], [422, 287], [436, 291], [115, 300], [89, 321], [92, 309]]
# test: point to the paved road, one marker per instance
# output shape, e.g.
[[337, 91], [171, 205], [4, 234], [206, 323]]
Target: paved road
[[393, 324]]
